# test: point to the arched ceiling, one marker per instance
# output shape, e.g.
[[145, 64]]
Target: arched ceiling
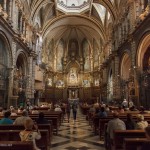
[[94, 22]]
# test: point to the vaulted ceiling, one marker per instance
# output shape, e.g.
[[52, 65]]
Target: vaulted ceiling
[[95, 21]]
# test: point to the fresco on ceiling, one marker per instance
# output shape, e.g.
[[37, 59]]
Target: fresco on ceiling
[[60, 84], [96, 54], [86, 54], [59, 56], [86, 83], [73, 76], [50, 53]]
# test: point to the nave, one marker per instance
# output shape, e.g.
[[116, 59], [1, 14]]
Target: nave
[[76, 136]]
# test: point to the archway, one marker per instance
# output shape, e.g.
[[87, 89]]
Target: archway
[[124, 75], [4, 72], [143, 63]]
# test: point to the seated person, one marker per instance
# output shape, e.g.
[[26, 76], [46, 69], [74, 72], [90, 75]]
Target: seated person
[[13, 112], [132, 108], [1, 111], [29, 134], [146, 145], [20, 109], [92, 110], [114, 124], [21, 120], [141, 124], [57, 108], [142, 110], [120, 110], [102, 113], [130, 123], [107, 109], [6, 119], [35, 111], [41, 119]]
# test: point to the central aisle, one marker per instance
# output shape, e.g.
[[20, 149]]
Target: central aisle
[[76, 136]]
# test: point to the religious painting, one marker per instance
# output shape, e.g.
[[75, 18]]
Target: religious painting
[[73, 76], [49, 82], [59, 83], [96, 82], [86, 53], [86, 83], [59, 56]]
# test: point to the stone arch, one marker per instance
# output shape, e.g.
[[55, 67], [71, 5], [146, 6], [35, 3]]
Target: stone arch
[[22, 59], [142, 49], [8, 48], [125, 66], [6, 62]]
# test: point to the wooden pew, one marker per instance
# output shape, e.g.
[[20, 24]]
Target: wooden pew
[[16, 145], [133, 143], [13, 135], [40, 126], [54, 119], [120, 135]]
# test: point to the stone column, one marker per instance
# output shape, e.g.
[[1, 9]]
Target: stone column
[[29, 78], [10, 10], [4, 7]]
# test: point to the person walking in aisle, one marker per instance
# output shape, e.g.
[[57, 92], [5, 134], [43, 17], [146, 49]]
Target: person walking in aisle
[[68, 111], [74, 110]]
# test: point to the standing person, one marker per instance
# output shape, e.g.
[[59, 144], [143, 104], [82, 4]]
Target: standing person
[[74, 110], [68, 111], [21, 98]]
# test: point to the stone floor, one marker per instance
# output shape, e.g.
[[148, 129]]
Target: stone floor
[[76, 136]]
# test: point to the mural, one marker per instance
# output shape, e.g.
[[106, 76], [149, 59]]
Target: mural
[[49, 82], [96, 82], [59, 54], [86, 54], [86, 83], [60, 84], [96, 54]]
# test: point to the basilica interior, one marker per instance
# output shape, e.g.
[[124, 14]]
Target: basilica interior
[[87, 50], [84, 50]]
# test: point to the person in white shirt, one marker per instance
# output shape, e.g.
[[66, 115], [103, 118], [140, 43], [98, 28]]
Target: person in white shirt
[[29, 134], [141, 124], [13, 112], [57, 108], [125, 103]]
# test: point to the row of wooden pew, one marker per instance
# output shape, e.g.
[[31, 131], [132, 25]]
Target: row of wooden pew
[[123, 140], [9, 134]]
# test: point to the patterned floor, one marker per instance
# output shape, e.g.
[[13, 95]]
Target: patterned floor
[[76, 136]]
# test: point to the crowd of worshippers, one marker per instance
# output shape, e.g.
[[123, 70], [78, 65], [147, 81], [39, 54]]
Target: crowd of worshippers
[[103, 111], [31, 132]]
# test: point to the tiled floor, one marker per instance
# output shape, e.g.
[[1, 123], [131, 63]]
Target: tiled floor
[[76, 136]]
